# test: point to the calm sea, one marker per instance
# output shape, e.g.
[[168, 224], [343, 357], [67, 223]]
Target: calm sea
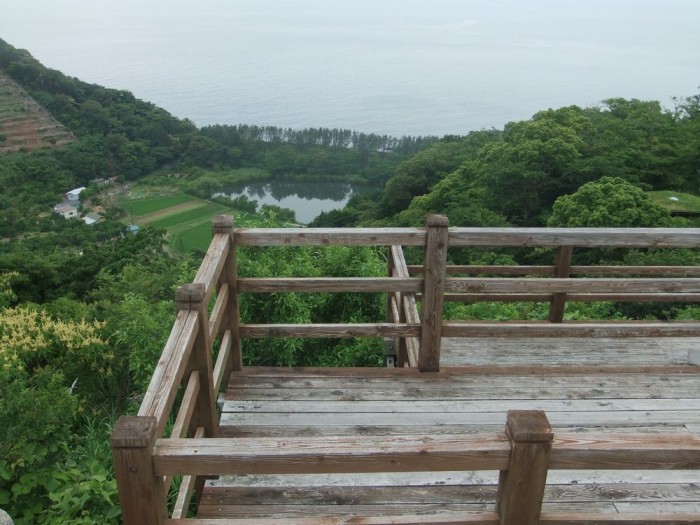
[[385, 66]]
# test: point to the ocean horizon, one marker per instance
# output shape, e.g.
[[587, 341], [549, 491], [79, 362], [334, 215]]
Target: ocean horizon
[[390, 67]]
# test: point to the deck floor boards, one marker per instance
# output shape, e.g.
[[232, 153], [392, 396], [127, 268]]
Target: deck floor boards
[[604, 385]]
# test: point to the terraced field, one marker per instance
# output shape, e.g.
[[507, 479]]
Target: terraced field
[[24, 124]]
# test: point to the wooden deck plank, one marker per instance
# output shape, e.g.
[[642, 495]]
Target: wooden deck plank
[[605, 386], [243, 431]]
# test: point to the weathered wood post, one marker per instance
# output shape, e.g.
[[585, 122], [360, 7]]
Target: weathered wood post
[[224, 224], [521, 487], [562, 269], [141, 492], [434, 263], [191, 297]]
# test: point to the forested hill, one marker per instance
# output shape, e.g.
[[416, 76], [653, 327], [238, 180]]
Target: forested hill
[[120, 135], [515, 176]]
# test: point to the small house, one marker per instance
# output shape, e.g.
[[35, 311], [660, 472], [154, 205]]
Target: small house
[[74, 195], [67, 210], [92, 218]]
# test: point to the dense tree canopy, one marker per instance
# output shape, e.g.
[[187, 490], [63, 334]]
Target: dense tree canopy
[[608, 202]]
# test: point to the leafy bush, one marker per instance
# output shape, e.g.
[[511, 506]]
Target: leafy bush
[[49, 371]]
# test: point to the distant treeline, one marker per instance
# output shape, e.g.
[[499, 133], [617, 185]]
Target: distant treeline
[[324, 137]]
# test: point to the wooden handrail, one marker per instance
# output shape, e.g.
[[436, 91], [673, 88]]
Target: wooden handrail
[[523, 454], [145, 461]]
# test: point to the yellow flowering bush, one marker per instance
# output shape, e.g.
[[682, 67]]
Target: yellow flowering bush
[[50, 370], [31, 340]]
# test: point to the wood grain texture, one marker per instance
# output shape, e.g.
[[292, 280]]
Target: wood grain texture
[[330, 454], [159, 397], [212, 264], [571, 329], [329, 236], [521, 486], [333, 331], [580, 237], [565, 285], [434, 261], [141, 492], [219, 310], [222, 360], [329, 284], [576, 270], [562, 270]]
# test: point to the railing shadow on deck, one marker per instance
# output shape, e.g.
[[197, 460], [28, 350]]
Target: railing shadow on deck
[[145, 461]]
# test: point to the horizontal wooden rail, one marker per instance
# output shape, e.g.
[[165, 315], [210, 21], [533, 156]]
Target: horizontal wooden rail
[[571, 329], [590, 271], [457, 518], [334, 331], [329, 236], [566, 285], [573, 297], [330, 454], [579, 237], [493, 237], [330, 284], [625, 452]]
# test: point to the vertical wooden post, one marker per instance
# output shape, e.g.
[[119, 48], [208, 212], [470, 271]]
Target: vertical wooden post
[[562, 269], [225, 224], [141, 492], [521, 487], [191, 297], [434, 262]]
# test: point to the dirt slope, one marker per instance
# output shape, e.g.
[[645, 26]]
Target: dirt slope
[[24, 124]]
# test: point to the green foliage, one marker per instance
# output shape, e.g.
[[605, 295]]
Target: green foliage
[[50, 370], [335, 261], [609, 202]]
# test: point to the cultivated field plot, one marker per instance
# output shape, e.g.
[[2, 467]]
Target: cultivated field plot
[[24, 124], [186, 219]]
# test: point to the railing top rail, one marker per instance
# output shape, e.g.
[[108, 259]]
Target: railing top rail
[[329, 236], [582, 237], [525, 237]]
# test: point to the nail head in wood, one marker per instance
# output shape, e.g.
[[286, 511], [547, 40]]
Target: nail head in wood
[[189, 296], [222, 224], [531, 426]]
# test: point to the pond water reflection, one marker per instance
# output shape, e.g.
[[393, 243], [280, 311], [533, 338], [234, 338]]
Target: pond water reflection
[[307, 199]]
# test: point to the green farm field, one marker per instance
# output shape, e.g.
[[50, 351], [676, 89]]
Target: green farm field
[[186, 219], [146, 206]]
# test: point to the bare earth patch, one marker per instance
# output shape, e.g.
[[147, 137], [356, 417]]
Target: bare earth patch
[[24, 124]]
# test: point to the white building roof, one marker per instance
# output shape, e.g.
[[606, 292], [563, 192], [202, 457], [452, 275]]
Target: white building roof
[[76, 191]]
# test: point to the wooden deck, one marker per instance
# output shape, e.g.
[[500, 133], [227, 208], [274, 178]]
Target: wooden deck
[[608, 385], [593, 423]]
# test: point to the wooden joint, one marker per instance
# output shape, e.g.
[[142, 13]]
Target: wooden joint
[[222, 224], [521, 487], [189, 296]]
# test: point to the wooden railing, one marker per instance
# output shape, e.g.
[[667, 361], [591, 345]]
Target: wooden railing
[[145, 462]]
